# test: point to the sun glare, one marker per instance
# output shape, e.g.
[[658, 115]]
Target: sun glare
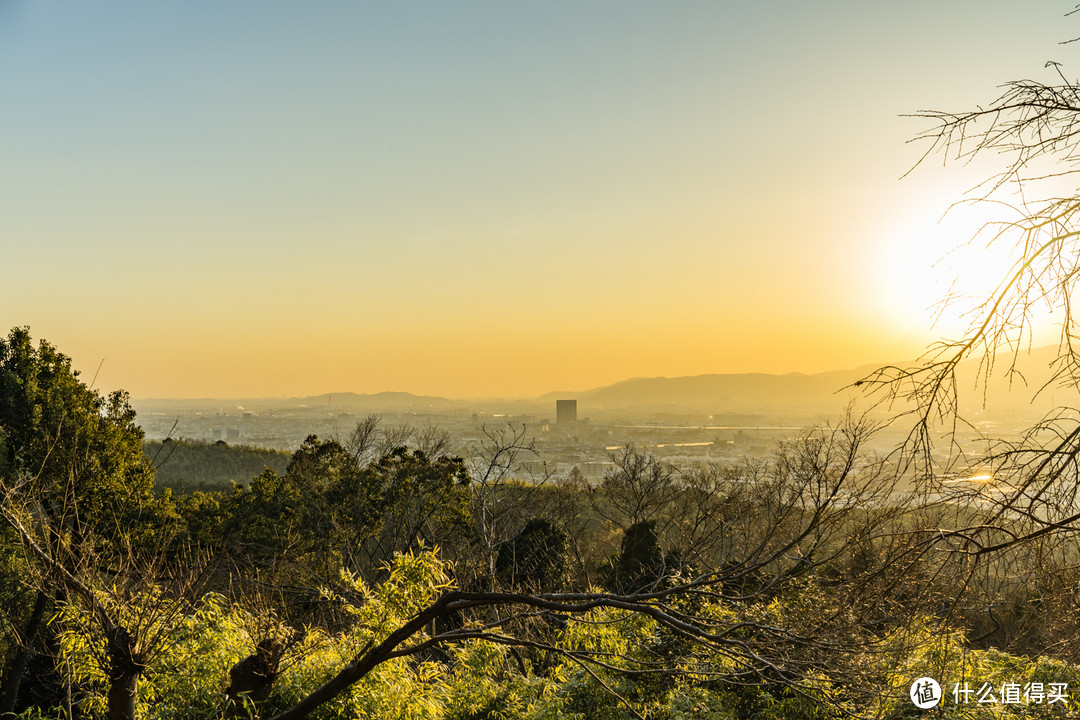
[[979, 479], [930, 276]]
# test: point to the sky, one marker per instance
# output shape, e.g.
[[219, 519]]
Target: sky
[[262, 198]]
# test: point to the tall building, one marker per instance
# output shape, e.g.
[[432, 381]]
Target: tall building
[[565, 411]]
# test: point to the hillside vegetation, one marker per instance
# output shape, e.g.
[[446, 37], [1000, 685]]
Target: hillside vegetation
[[187, 465]]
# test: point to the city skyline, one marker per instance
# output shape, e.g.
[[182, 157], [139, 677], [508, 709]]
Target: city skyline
[[478, 200]]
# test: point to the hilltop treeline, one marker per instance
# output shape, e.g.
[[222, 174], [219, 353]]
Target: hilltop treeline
[[188, 465], [378, 575]]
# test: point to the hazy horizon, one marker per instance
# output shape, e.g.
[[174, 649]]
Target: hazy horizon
[[468, 398], [264, 199]]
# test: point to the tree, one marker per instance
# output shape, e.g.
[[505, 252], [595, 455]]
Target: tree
[[535, 558], [307, 516], [503, 492], [68, 441], [1034, 127], [76, 490], [372, 440], [639, 489], [423, 500], [640, 563]]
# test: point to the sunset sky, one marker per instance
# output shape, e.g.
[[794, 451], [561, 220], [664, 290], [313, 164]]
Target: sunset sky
[[477, 199]]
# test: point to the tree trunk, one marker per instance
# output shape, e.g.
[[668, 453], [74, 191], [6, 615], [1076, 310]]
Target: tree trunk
[[252, 678], [123, 695], [124, 671], [9, 692]]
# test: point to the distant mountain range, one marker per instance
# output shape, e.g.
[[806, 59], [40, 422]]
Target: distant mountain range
[[375, 400], [818, 392], [730, 391], [344, 401]]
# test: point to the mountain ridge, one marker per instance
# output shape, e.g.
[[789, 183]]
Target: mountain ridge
[[729, 389], [734, 391]]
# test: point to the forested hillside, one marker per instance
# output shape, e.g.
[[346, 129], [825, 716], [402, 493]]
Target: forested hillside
[[186, 465]]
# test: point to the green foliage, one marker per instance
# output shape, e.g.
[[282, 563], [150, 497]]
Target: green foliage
[[304, 517], [75, 447], [640, 562], [15, 598], [205, 517], [480, 681], [536, 558], [186, 466], [72, 469], [945, 656], [395, 689], [483, 687], [186, 672], [422, 500], [326, 512]]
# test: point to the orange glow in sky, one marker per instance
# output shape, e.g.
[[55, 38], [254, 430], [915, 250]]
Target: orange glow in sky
[[267, 198]]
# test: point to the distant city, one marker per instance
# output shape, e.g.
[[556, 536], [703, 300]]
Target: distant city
[[684, 420]]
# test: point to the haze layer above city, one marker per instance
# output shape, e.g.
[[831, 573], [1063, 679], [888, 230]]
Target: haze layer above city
[[482, 200]]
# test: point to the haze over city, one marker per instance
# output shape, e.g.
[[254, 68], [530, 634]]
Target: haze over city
[[478, 199]]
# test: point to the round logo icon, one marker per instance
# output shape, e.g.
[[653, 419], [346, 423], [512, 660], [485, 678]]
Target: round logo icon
[[925, 693]]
